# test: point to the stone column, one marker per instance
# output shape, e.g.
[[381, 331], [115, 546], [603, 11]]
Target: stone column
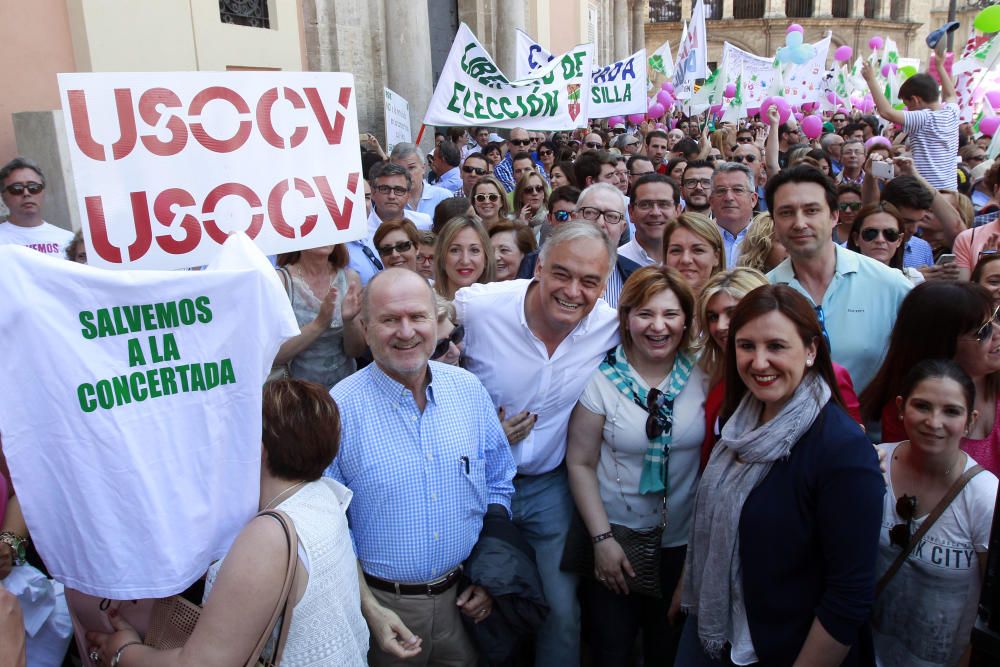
[[621, 20], [510, 16], [408, 60], [823, 9], [855, 9], [727, 9], [686, 7], [639, 15], [774, 9]]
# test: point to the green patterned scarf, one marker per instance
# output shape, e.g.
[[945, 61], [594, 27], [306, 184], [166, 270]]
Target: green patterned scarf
[[616, 368]]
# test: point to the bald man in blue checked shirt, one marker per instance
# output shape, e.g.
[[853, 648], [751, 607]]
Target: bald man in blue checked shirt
[[423, 451]]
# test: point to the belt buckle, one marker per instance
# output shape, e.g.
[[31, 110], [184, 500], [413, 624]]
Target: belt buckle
[[396, 585]]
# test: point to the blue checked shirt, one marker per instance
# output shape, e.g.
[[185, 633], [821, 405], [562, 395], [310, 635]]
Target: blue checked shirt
[[504, 171], [421, 481]]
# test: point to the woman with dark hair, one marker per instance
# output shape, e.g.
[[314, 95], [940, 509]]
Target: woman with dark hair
[[791, 469], [396, 243], [926, 608], [547, 156], [632, 457], [987, 274], [562, 174], [877, 232], [301, 436], [943, 320], [511, 242], [675, 168], [326, 298], [494, 154]]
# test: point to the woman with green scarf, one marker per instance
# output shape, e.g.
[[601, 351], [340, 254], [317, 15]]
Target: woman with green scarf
[[632, 457]]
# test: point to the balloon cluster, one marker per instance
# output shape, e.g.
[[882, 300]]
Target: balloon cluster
[[794, 51], [664, 100]]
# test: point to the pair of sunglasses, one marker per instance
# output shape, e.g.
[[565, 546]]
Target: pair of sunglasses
[[17, 189], [906, 508], [401, 247], [485, 198], [890, 235], [456, 336], [654, 425]]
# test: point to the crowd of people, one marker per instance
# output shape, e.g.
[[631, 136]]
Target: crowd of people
[[725, 396]]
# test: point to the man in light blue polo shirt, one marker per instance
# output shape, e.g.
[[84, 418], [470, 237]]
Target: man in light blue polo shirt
[[856, 298], [424, 197]]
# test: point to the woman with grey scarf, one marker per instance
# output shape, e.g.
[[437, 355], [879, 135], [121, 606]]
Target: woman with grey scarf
[[781, 561]]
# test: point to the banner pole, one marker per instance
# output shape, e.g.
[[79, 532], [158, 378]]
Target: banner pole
[[420, 134]]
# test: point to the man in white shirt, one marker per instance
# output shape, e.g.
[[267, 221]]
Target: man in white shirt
[[24, 195], [733, 197], [534, 344], [656, 201], [424, 197]]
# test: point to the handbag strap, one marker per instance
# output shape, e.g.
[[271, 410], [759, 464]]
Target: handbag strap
[[935, 514], [286, 602]]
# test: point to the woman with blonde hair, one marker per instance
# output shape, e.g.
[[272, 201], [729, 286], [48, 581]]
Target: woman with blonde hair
[[463, 256], [760, 249], [692, 244], [489, 200]]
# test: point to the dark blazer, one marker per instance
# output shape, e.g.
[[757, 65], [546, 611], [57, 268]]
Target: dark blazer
[[624, 266], [503, 563], [809, 538]]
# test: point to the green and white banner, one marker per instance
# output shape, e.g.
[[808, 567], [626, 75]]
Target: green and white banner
[[473, 91]]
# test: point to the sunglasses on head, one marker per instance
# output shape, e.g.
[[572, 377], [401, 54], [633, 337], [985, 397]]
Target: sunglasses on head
[[849, 206], [870, 234], [18, 189], [443, 344], [906, 508], [474, 170], [482, 198], [401, 247]]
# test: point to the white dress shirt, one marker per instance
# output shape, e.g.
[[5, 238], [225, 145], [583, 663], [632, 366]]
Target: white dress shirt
[[632, 250], [517, 371]]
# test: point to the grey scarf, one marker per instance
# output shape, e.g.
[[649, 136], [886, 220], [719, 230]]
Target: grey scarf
[[741, 459]]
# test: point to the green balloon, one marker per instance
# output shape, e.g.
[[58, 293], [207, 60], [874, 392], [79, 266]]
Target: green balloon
[[907, 72], [988, 20]]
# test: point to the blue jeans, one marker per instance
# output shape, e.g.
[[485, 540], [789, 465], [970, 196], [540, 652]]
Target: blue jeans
[[543, 509]]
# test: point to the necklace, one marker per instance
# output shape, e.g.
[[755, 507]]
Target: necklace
[[293, 486]]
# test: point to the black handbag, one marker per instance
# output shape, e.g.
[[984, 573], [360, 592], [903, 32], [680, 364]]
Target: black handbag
[[641, 547]]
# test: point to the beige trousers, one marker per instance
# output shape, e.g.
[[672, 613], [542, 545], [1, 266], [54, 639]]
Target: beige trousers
[[437, 621]]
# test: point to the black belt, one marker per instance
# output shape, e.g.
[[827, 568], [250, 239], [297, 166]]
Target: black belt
[[430, 589]]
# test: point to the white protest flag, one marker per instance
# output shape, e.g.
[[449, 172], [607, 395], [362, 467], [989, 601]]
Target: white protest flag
[[662, 61], [710, 93], [131, 412], [167, 164], [692, 54], [618, 89], [755, 72], [804, 82], [680, 93], [472, 90], [529, 55], [735, 109]]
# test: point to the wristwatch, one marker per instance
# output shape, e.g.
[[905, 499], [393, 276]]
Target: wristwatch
[[18, 545]]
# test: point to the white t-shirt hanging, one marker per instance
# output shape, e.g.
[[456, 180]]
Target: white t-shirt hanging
[[131, 415], [45, 238], [924, 616]]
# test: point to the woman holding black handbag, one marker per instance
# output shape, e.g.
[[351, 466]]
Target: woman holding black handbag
[[632, 457]]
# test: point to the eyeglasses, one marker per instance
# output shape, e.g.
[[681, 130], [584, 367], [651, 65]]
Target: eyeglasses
[[474, 170], [749, 158], [17, 189], [544, 153], [655, 424], [744, 140], [443, 344], [520, 142], [870, 234], [849, 206], [594, 144], [906, 508], [483, 198], [839, 120], [592, 214], [692, 183], [711, 158], [401, 247], [985, 332], [397, 190], [533, 189], [738, 191], [561, 216], [424, 259], [650, 204]]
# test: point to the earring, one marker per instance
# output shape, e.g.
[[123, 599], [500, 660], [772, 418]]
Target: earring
[[809, 362]]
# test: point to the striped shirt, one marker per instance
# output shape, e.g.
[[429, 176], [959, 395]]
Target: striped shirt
[[917, 253], [504, 171], [934, 142], [421, 480]]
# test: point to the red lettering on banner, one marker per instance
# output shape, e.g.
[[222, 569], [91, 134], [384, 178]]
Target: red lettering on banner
[[178, 130], [265, 121], [165, 216], [331, 132], [277, 216], [211, 143], [341, 218], [226, 190], [83, 135]]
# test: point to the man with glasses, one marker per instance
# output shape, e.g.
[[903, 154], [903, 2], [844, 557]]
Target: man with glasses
[[391, 185], [424, 197], [473, 169], [744, 136], [733, 197], [24, 195], [852, 155], [839, 121], [604, 204], [750, 155], [657, 148], [832, 144], [914, 199], [594, 142], [520, 142], [848, 205], [534, 344], [856, 298], [655, 203], [696, 186], [788, 136]]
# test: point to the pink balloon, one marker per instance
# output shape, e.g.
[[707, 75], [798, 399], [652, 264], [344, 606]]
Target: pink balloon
[[812, 126], [798, 115], [667, 86], [716, 109], [637, 118], [730, 90], [994, 98], [831, 97], [615, 120], [655, 111], [875, 43], [784, 111], [843, 53], [989, 125], [664, 98], [753, 112], [885, 70], [808, 107], [867, 104], [795, 27]]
